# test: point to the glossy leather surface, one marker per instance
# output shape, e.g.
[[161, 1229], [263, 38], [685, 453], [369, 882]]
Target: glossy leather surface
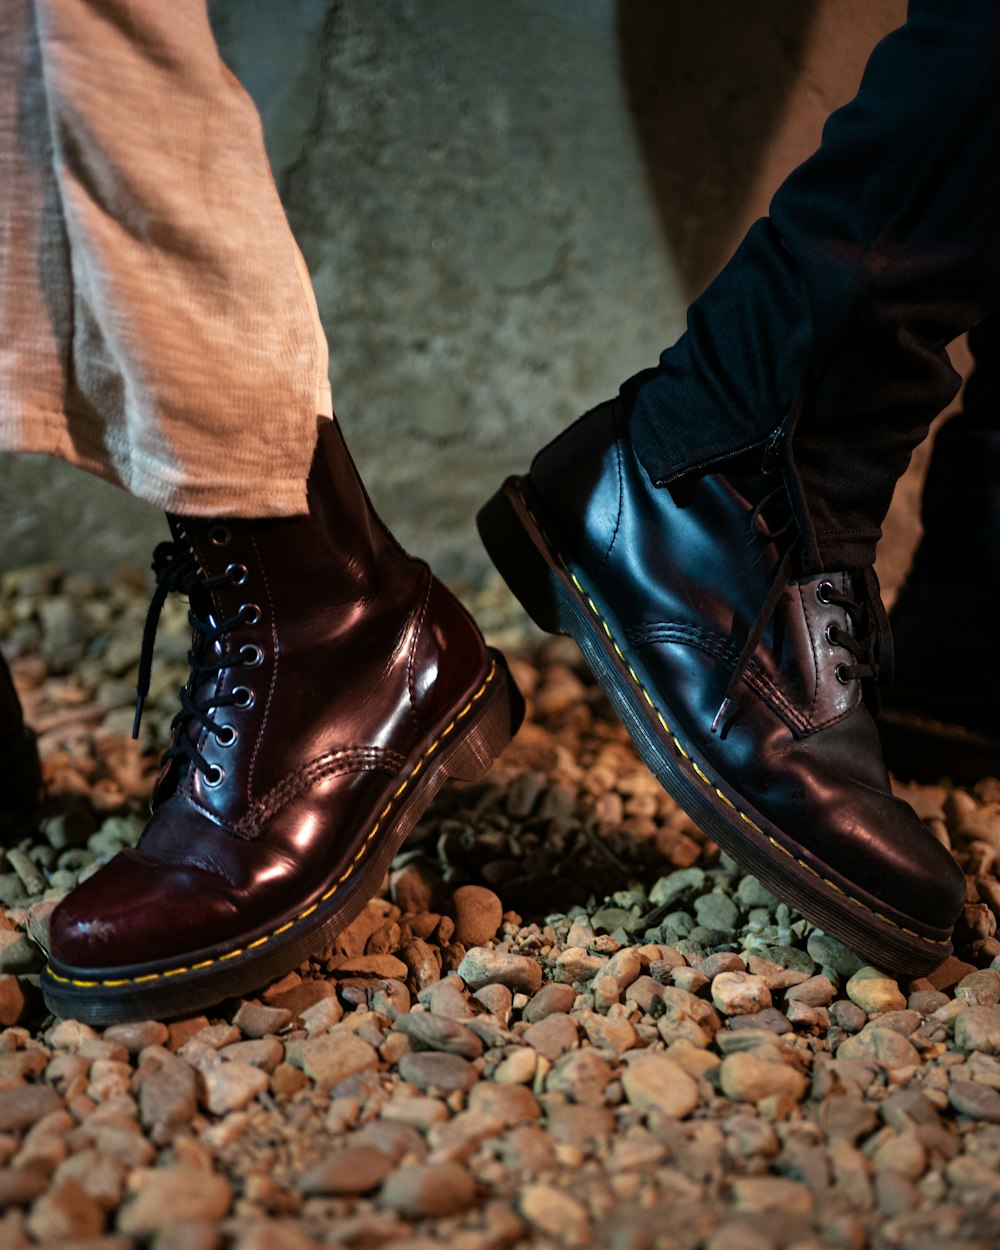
[[354, 654], [685, 570]]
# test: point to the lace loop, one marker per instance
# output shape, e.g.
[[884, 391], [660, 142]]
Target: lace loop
[[176, 569], [868, 642]]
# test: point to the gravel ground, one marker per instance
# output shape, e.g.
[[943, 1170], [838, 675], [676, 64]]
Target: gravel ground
[[568, 1020]]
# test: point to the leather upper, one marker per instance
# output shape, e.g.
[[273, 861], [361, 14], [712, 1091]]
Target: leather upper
[[351, 653], [686, 569]]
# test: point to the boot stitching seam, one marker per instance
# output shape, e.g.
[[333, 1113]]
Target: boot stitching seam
[[362, 852], [724, 650], [699, 772], [358, 759]]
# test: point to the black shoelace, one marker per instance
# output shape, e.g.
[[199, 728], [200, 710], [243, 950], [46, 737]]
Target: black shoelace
[[870, 643], [176, 569]]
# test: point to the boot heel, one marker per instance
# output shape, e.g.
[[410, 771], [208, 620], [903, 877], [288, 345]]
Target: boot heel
[[515, 545], [472, 756]]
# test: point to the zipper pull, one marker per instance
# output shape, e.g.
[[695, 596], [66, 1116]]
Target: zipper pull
[[772, 449]]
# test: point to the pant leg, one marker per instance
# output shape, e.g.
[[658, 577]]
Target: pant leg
[[832, 320], [191, 362]]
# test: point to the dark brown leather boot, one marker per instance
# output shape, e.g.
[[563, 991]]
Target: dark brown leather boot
[[335, 686], [20, 773], [744, 684]]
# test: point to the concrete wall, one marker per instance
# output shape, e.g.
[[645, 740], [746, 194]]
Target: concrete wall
[[505, 208]]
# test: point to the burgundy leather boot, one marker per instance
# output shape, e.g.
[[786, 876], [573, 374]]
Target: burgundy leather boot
[[20, 773], [335, 685], [744, 684]]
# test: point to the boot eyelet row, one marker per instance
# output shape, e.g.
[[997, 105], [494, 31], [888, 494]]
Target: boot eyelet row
[[842, 675], [226, 735], [250, 613], [214, 776], [237, 573], [221, 536], [243, 697], [825, 592], [251, 655]]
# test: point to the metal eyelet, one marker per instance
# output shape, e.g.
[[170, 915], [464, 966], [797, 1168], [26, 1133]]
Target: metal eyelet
[[832, 633], [251, 655], [824, 591], [843, 676], [237, 573], [250, 613], [214, 776], [243, 697], [220, 535], [226, 735]]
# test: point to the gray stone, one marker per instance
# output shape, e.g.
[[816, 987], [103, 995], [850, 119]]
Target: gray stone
[[717, 911], [978, 1028], [428, 1190], [748, 1076], [332, 1057], [435, 1072], [138, 1035], [554, 996], [980, 989], [873, 990], [830, 953], [357, 1170], [848, 1016], [510, 1104], [168, 1098], [257, 1020], [885, 1046], [553, 1036], [66, 1211], [482, 966], [740, 993], [653, 1081], [231, 1085], [428, 1031], [556, 1213], [167, 1195], [817, 991], [975, 1100], [582, 1076], [24, 1105]]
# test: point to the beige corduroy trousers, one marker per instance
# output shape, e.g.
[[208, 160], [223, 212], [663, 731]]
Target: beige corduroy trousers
[[157, 323]]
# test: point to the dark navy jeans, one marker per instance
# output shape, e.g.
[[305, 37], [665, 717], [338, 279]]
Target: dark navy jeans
[[825, 337]]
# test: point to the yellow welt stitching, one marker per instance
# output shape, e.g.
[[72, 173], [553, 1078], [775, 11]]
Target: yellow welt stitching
[[252, 946], [701, 774]]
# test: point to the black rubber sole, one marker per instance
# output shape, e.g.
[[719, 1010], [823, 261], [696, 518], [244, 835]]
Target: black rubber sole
[[463, 749], [560, 599], [919, 748]]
